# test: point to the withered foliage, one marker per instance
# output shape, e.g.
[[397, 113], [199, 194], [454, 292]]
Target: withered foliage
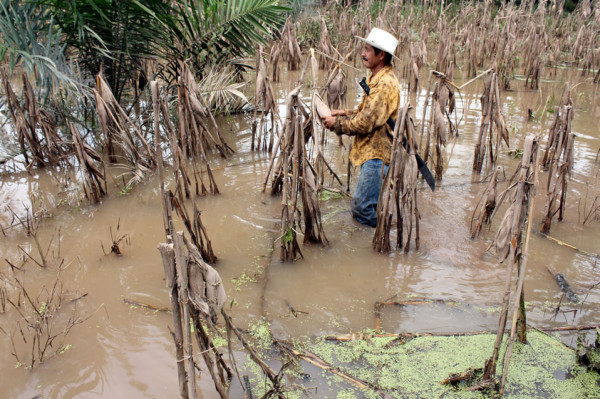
[[264, 103], [414, 64], [197, 297], [325, 45], [286, 177], [398, 196], [290, 47], [509, 247], [336, 88], [440, 125], [92, 166], [294, 177], [123, 139], [274, 56], [482, 215], [36, 129], [558, 160], [492, 130], [194, 118]]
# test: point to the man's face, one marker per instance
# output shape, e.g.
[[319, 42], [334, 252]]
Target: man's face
[[369, 58]]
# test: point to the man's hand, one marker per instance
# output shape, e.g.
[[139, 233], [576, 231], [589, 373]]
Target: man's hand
[[329, 121]]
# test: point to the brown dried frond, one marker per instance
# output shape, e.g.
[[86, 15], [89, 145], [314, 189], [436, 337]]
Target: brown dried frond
[[559, 160], [274, 56], [36, 128], [120, 132], [196, 114], [92, 165], [264, 103], [325, 45], [484, 209], [291, 49], [492, 130], [398, 195]]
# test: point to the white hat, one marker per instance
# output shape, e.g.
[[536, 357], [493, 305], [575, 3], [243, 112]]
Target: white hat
[[381, 39]]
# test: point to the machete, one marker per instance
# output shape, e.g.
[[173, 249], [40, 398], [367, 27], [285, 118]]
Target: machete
[[425, 172]]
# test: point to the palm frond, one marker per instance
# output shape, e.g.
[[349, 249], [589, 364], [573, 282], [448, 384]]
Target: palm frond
[[218, 28], [221, 92], [30, 39]]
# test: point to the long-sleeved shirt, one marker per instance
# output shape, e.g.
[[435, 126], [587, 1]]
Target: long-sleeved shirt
[[367, 123]]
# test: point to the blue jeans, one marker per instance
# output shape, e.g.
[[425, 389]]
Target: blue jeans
[[364, 201]]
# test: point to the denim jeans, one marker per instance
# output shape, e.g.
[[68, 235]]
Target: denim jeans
[[364, 201]]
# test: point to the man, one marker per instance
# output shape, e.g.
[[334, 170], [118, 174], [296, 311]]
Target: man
[[372, 145]]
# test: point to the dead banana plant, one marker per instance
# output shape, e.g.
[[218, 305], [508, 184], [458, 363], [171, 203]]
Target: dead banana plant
[[291, 49], [36, 129], [122, 138], [559, 160], [482, 214], [325, 45], [195, 134], [274, 56], [508, 244], [398, 195], [492, 130], [92, 167], [264, 103], [440, 123]]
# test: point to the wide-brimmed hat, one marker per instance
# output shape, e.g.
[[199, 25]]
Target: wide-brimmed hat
[[381, 39]]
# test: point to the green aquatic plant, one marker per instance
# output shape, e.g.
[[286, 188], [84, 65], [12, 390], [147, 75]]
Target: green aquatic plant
[[416, 368], [326, 195]]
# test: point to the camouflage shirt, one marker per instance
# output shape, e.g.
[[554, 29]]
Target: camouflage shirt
[[372, 135]]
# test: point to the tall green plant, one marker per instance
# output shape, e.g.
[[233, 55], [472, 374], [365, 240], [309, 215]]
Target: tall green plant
[[117, 36], [30, 41], [111, 35], [214, 31]]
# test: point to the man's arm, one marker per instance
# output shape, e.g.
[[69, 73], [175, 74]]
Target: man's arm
[[373, 112], [329, 121]]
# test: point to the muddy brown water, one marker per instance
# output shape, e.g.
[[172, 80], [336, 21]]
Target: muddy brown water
[[123, 351]]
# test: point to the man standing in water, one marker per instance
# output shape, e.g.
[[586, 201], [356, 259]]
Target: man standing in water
[[372, 145]]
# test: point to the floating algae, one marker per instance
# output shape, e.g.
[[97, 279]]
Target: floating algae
[[416, 368]]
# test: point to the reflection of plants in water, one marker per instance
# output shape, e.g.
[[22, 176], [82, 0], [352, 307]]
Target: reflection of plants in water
[[42, 323]]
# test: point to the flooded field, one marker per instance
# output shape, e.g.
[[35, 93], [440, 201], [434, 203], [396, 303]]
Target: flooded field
[[122, 350]]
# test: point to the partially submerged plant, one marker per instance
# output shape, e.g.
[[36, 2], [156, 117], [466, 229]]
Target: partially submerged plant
[[116, 241], [42, 323], [493, 128], [92, 168], [291, 49], [508, 244], [559, 160], [440, 125], [36, 129], [398, 195], [486, 205], [264, 103]]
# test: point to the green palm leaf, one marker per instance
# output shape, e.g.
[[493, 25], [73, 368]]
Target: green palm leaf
[[218, 29]]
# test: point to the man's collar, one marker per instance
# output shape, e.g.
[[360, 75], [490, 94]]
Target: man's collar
[[372, 80]]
